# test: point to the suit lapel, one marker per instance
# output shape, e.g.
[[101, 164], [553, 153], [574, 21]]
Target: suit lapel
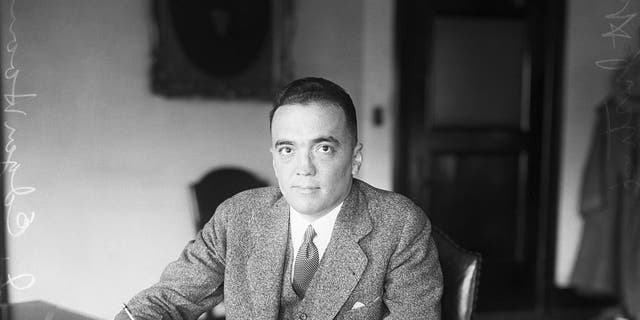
[[343, 261], [265, 266]]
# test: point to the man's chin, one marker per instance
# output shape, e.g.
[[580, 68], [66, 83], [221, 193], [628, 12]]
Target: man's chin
[[308, 209]]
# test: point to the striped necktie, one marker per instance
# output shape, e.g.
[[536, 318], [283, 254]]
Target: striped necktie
[[306, 263]]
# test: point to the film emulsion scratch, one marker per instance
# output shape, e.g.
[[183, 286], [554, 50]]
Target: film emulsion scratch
[[617, 30], [17, 222], [617, 22]]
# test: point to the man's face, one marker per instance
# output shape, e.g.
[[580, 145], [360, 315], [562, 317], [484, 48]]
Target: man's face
[[313, 156]]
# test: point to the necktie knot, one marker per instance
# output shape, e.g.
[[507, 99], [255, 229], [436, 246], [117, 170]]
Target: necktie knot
[[309, 234]]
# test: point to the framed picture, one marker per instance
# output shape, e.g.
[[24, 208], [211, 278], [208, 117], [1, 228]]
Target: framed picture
[[228, 49]]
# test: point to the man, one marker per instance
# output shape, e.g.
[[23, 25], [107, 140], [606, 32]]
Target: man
[[322, 245]]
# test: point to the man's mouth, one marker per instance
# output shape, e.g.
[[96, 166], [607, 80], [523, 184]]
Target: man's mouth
[[306, 189]]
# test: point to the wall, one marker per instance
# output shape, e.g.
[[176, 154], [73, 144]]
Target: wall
[[378, 91], [350, 42], [585, 86], [111, 163]]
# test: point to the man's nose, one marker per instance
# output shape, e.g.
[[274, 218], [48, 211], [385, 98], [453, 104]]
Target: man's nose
[[305, 165]]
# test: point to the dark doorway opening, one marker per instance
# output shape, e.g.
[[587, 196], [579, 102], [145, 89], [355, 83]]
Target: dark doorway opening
[[478, 139]]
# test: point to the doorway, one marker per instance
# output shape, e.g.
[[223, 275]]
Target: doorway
[[478, 134]]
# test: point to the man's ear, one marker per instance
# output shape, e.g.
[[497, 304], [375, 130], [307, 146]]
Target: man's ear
[[356, 161], [273, 161]]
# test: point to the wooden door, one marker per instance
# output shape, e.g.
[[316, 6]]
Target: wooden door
[[472, 145]]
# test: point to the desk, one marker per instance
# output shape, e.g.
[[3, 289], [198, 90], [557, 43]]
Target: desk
[[38, 310]]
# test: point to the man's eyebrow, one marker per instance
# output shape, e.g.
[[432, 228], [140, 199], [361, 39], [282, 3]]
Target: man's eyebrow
[[283, 142], [326, 139]]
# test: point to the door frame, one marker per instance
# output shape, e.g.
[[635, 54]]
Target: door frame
[[412, 58]]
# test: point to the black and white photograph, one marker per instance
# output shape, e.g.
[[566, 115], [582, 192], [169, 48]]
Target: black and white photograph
[[320, 159]]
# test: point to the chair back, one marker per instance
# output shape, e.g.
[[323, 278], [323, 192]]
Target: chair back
[[217, 186], [460, 271]]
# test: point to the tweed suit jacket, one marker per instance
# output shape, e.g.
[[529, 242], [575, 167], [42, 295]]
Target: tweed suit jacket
[[381, 263]]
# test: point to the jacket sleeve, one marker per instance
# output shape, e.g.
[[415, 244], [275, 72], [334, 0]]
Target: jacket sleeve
[[413, 285], [191, 285]]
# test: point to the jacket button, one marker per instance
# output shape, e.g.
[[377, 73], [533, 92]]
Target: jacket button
[[302, 316]]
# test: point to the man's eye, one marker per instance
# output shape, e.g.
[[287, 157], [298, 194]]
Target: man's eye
[[325, 148], [285, 150]]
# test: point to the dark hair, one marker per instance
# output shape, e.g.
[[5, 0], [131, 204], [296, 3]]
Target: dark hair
[[309, 90]]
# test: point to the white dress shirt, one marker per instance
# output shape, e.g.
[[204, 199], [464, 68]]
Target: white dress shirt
[[323, 226]]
